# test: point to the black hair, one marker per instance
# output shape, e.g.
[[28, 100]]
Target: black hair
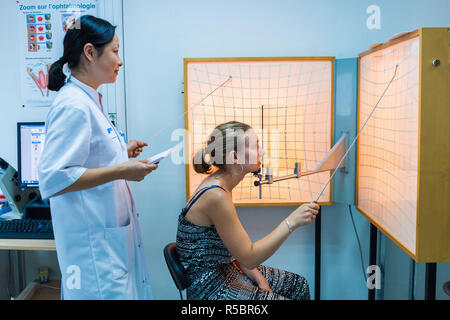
[[86, 29]]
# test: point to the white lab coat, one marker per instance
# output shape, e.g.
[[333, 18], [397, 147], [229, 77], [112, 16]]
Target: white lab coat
[[97, 233]]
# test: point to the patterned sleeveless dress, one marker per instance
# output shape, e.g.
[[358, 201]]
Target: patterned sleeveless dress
[[212, 275]]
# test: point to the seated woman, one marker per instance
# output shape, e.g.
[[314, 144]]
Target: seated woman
[[220, 259]]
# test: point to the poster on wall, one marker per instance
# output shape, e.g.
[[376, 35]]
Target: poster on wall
[[43, 25]]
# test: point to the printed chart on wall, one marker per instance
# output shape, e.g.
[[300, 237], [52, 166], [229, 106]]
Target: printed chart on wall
[[42, 29]]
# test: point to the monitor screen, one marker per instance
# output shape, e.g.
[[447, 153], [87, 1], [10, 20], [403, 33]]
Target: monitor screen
[[31, 137]]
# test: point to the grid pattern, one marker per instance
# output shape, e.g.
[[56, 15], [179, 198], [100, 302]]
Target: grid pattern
[[388, 146], [288, 103]]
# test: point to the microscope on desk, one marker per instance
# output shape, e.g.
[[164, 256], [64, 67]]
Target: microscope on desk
[[24, 202]]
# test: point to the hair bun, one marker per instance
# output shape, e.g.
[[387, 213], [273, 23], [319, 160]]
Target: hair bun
[[92, 30], [202, 162]]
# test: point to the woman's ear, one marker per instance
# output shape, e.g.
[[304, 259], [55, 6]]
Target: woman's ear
[[233, 157], [90, 52]]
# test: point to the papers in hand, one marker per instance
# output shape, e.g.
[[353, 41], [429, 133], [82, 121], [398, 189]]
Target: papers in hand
[[157, 158]]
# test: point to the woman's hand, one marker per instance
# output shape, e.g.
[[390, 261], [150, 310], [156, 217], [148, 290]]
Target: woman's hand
[[136, 170], [135, 148], [254, 275], [303, 215]]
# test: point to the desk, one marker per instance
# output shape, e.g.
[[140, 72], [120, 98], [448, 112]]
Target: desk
[[27, 244]]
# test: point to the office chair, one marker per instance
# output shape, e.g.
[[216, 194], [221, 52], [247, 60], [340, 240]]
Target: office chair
[[176, 269]]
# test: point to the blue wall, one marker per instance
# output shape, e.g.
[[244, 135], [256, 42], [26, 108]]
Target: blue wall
[[158, 35], [171, 31]]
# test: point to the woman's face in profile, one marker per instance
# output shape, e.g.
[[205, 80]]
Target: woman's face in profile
[[109, 63], [253, 152]]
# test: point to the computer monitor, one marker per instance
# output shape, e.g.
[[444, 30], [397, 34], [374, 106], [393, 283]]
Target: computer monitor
[[30, 143]]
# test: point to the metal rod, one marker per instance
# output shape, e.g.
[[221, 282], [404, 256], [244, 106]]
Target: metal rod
[[262, 146], [354, 140], [291, 176], [373, 254], [430, 281], [412, 279], [317, 254], [295, 175], [189, 109]]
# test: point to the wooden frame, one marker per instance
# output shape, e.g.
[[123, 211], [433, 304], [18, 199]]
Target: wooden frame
[[254, 59], [432, 233]]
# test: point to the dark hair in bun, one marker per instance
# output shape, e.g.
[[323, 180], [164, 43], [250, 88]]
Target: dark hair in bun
[[214, 154], [86, 29], [200, 164]]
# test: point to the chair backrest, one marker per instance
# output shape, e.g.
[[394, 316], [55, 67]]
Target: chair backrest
[[176, 269]]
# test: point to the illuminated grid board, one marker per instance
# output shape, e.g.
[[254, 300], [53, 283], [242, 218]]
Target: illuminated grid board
[[402, 177], [289, 103]]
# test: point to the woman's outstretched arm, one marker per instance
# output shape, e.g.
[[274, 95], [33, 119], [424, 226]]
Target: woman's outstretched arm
[[252, 254]]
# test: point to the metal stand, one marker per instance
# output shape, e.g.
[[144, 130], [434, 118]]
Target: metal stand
[[412, 280], [262, 146], [318, 244], [430, 281], [373, 255]]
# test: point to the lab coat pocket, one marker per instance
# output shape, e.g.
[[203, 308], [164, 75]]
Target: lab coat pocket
[[119, 243]]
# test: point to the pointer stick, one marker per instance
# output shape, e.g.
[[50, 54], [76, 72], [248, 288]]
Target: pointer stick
[[354, 140], [181, 116]]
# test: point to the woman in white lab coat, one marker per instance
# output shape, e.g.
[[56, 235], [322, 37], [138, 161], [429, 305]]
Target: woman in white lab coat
[[84, 170]]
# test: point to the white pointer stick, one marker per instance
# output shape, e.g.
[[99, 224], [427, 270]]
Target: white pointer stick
[[354, 140], [189, 109]]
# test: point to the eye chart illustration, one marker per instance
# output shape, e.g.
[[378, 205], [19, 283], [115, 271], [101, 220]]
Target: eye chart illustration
[[39, 73], [289, 103], [43, 27], [39, 32]]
